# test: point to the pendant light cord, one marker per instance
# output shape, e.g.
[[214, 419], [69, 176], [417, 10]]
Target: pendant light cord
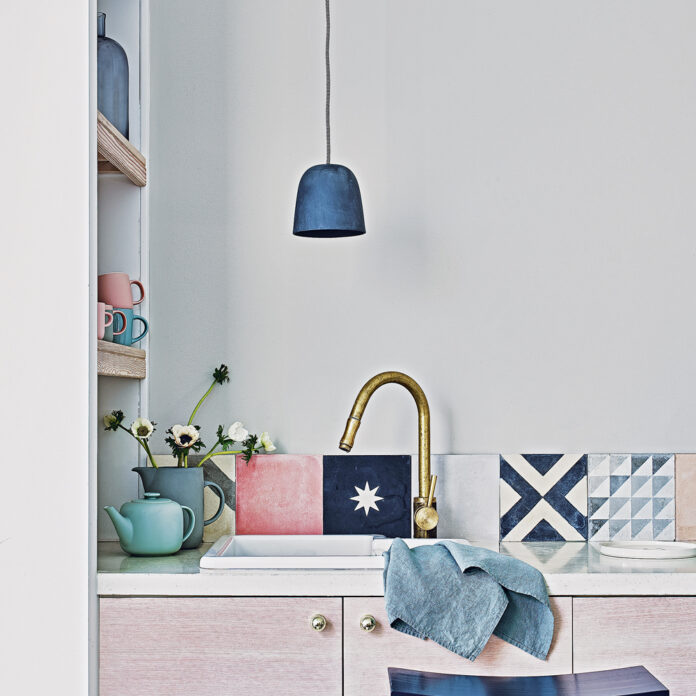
[[328, 84]]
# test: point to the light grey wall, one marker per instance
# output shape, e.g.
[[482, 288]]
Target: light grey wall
[[528, 181]]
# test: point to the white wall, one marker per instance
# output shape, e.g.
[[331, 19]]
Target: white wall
[[44, 360], [527, 173]]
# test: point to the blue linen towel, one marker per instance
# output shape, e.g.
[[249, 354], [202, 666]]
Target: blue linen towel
[[458, 595]]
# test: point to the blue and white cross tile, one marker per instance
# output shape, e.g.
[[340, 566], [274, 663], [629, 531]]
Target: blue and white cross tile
[[543, 497], [367, 495]]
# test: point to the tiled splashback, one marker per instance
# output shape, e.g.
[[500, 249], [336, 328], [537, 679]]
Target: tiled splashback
[[530, 497]]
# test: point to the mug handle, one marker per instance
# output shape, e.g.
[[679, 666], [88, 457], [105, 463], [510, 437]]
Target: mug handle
[[192, 523], [142, 291], [137, 317], [108, 315], [123, 321], [218, 490]]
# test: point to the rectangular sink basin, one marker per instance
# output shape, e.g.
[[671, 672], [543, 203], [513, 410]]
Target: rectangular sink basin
[[334, 551]]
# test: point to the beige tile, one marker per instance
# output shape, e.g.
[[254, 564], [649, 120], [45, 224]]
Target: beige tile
[[686, 497]]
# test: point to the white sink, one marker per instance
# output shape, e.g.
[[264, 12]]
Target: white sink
[[333, 551]]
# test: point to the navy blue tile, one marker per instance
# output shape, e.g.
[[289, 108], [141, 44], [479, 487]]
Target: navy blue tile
[[530, 507], [368, 494]]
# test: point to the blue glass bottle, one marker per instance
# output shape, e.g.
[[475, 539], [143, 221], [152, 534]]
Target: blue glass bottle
[[112, 78]]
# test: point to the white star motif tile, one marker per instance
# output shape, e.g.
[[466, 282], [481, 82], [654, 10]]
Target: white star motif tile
[[366, 498]]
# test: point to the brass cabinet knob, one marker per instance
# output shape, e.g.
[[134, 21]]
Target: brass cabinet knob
[[368, 623], [318, 622]]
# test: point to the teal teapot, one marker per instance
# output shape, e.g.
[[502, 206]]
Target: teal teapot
[[151, 526]]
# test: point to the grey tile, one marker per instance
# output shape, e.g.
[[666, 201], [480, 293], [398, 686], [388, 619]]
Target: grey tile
[[467, 495]]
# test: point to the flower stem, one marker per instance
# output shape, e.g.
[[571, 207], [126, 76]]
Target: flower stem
[[142, 443], [218, 454], [200, 403]]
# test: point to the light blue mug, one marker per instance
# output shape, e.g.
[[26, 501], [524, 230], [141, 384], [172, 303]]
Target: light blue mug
[[126, 338]]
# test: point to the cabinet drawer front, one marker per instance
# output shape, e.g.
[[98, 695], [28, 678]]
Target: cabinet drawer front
[[656, 632], [367, 655], [244, 646]]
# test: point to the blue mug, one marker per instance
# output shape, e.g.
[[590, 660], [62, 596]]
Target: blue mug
[[126, 338]]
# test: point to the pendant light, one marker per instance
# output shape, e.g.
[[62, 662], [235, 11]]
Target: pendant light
[[328, 197]]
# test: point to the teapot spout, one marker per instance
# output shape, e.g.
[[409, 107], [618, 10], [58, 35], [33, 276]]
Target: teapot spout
[[124, 527]]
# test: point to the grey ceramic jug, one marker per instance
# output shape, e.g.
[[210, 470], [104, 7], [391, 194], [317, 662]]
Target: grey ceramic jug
[[185, 486]]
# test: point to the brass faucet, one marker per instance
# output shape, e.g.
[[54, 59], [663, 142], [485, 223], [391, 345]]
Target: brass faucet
[[425, 516]]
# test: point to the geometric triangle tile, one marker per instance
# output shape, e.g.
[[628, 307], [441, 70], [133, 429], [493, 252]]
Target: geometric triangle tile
[[594, 505], [620, 508], [641, 508], [598, 486], [620, 529], [620, 465], [660, 482], [637, 526], [641, 465], [667, 512], [598, 465], [638, 502], [602, 513], [663, 530], [644, 491], [663, 465], [543, 497], [616, 482], [599, 530], [645, 534], [663, 486], [637, 482], [658, 505]]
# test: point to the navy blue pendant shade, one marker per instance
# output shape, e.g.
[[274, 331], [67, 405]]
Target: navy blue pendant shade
[[328, 203]]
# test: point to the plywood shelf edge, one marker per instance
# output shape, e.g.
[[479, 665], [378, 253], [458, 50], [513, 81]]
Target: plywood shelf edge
[[115, 360], [116, 154]]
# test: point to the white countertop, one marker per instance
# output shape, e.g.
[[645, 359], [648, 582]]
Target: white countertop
[[570, 569]]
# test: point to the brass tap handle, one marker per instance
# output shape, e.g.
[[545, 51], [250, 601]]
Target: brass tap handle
[[318, 622], [368, 623], [426, 517], [431, 493]]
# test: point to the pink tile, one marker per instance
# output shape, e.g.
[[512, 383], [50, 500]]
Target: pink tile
[[686, 497], [279, 494]]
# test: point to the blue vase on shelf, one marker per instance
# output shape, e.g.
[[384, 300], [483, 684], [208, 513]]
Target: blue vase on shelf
[[112, 78]]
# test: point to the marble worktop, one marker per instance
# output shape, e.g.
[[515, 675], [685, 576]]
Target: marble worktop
[[570, 569]]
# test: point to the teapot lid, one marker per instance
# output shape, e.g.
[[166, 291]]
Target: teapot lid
[[152, 498]]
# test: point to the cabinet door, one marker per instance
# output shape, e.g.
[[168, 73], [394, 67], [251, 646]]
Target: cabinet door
[[656, 632], [367, 655], [246, 646]]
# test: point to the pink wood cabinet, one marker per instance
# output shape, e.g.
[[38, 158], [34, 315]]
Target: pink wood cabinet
[[241, 646], [657, 632], [367, 655]]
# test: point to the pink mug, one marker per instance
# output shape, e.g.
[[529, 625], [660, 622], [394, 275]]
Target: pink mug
[[104, 319], [115, 289]]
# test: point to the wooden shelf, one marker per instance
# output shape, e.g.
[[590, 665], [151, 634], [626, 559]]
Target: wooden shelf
[[115, 360], [116, 154]]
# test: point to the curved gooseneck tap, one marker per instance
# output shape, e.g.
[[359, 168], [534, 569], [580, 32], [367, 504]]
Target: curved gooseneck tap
[[424, 510]]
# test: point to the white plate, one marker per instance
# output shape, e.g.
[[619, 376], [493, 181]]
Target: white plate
[[648, 549]]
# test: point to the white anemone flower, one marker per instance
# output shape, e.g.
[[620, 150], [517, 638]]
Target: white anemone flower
[[237, 432], [142, 428], [109, 420], [185, 435], [266, 442]]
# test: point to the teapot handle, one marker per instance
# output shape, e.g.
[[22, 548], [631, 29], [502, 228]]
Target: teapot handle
[[220, 495], [192, 523]]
